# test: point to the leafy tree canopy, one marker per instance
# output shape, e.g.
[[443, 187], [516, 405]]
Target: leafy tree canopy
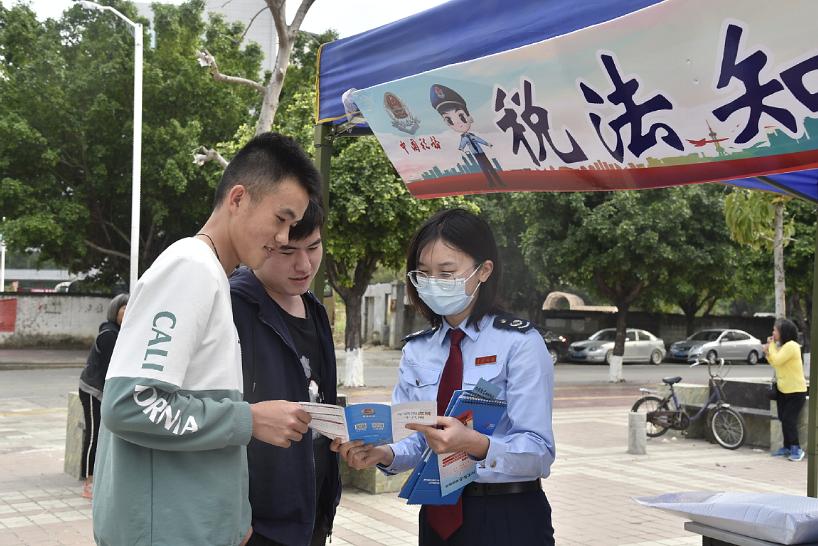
[[66, 111]]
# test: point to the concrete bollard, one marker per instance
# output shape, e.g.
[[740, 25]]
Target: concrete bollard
[[74, 429], [637, 435]]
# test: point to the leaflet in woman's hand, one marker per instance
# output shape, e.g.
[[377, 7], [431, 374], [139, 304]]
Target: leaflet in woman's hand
[[371, 423]]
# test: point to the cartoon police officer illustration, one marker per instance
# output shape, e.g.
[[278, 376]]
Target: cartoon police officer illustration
[[452, 107]]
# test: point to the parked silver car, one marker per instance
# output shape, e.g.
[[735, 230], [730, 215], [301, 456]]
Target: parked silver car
[[729, 345], [680, 350], [640, 346]]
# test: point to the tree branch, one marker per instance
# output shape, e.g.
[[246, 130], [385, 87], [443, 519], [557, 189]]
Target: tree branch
[[295, 26], [118, 231], [247, 29], [107, 250], [280, 21], [332, 276], [205, 59], [204, 155]]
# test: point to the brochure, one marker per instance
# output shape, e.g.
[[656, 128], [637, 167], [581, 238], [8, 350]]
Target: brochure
[[440, 478], [369, 422]]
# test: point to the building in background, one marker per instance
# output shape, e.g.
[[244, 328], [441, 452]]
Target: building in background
[[261, 32]]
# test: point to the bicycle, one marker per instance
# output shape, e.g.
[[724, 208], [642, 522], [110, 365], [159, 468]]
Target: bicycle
[[725, 424]]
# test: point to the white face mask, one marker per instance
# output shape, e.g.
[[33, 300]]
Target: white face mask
[[444, 296]]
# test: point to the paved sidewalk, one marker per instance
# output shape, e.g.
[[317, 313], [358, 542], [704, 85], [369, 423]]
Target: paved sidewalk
[[590, 488]]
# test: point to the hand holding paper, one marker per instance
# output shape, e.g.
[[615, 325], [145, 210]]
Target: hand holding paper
[[449, 434], [360, 456]]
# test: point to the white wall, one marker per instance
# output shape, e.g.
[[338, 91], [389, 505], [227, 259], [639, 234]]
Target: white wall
[[41, 318], [375, 313]]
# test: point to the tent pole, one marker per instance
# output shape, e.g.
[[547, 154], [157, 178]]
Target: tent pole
[[323, 154], [812, 437]]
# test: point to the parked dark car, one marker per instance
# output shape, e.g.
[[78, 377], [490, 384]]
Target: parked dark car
[[557, 344]]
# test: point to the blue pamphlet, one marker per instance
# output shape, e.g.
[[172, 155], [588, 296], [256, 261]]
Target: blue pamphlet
[[369, 422], [425, 485]]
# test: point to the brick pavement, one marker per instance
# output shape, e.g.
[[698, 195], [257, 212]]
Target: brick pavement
[[590, 488]]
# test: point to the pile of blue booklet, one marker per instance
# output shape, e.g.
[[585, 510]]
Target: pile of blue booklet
[[440, 479]]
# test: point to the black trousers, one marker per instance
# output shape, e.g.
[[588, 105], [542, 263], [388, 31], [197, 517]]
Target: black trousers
[[90, 408], [319, 538], [319, 533], [789, 409], [521, 518]]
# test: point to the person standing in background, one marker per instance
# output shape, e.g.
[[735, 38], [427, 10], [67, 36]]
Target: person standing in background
[[784, 355], [92, 383]]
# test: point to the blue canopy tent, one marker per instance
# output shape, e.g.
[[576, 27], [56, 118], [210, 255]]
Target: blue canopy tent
[[463, 30]]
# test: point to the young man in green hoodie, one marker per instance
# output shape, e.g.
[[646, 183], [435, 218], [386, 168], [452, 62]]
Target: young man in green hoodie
[[171, 467]]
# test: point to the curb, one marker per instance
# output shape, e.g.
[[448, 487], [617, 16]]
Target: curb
[[4, 366]]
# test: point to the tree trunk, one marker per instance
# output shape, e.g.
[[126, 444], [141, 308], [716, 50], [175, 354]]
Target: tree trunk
[[272, 92], [352, 332], [689, 318], [354, 369], [689, 307], [353, 299], [615, 374], [778, 260]]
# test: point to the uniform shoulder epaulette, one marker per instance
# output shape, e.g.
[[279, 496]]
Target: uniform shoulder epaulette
[[419, 334], [508, 322]]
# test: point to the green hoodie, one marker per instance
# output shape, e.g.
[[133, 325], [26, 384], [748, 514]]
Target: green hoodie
[[171, 467]]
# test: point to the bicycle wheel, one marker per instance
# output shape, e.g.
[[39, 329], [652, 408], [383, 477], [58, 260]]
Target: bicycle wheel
[[647, 404], [728, 428]]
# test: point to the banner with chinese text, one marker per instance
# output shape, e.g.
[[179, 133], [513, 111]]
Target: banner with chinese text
[[681, 92]]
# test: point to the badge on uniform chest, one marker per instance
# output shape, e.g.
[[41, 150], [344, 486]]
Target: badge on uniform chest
[[482, 360]]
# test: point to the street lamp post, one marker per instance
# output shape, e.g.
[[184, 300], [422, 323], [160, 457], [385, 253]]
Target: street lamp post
[[136, 187]]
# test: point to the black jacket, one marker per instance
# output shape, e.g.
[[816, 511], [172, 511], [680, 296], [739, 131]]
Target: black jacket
[[96, 367], [282, 481]]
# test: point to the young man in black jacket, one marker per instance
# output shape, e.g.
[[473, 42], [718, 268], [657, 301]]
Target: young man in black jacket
[[288, 354]]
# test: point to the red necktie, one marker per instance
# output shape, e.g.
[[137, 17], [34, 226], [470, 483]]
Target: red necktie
[[445, 520]]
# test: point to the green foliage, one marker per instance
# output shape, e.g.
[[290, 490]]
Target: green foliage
[[647, 248], [523, 288], [750, 216], [799, 259], [372, 215], [66, 111]]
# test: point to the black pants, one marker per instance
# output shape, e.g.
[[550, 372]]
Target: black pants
[[319, 538], [521, 518], [90, 408], [323, 458], [789, 409]]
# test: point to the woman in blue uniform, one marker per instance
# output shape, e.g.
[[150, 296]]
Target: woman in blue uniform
[[454, 273]]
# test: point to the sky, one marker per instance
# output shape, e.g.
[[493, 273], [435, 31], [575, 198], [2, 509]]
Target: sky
[[345, 16]]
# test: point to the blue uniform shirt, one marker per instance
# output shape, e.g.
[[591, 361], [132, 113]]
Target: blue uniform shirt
[[522, 446], [471, 143]]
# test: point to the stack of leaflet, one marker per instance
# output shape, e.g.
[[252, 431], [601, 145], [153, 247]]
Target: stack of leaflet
[[440, 478]]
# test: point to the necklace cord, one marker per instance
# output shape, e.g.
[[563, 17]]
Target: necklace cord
[[209, 238]]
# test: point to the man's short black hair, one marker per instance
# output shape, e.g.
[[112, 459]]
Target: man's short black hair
[[313, 219], [264, 162]]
